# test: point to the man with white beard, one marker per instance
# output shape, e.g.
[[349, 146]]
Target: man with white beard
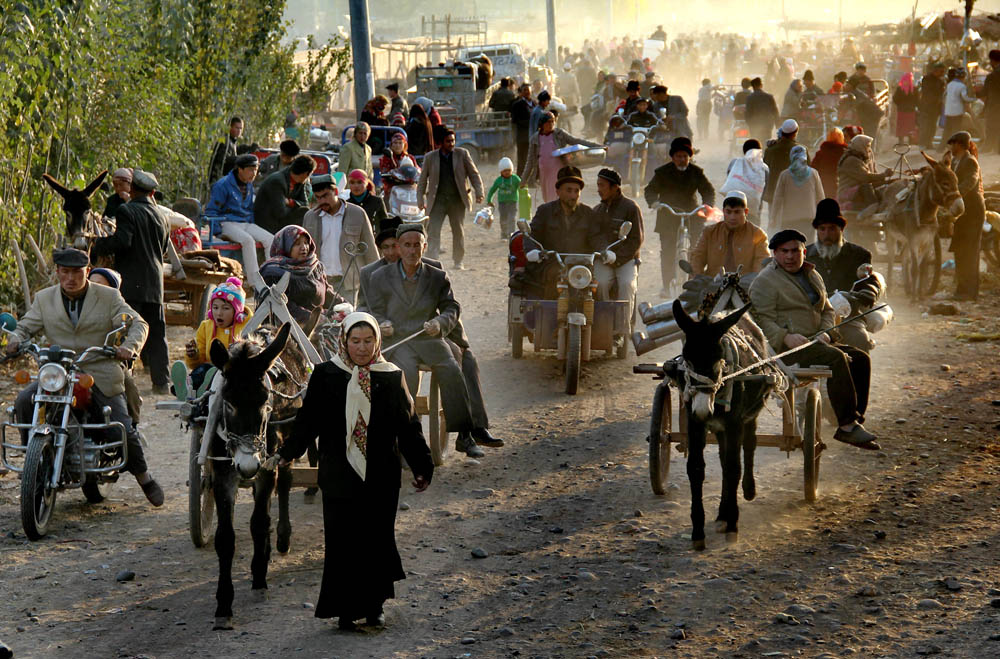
[[837, 261]]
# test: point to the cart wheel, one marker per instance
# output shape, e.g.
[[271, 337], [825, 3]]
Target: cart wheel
[[201, 496], [204, 303], [574, 348], [659, 439], [438, 429], [810, 444], [929, 275], [516, 340]]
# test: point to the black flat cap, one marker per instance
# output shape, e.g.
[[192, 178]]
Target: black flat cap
[[247, 160], [407, 228], [784, 236], [387, 229], [70, 258], [610, 176]]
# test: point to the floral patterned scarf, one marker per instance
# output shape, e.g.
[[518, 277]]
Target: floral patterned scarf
[[359, 390]]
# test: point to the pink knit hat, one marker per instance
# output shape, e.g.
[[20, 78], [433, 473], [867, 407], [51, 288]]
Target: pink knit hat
[[230, 291]]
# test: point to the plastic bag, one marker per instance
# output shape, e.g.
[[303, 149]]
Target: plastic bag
[[484, 218], [748, 176], [524, 204]]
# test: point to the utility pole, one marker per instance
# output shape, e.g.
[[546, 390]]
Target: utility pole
[[550, 19], [968, 21], [361, 52]]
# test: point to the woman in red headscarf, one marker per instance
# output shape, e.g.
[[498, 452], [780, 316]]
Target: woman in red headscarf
[[826, 159], [399, 148], [905, 98]]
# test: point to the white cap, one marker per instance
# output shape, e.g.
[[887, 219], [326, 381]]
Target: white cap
[[736, 194], [790, 126], [505, 163], [567, 66]]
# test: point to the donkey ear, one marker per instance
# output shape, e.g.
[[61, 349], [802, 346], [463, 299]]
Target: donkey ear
[[930, 161], [218, 354], [946, 161], [724, 325], [55, 185], [265, 359], [684, 321], [96, 183]]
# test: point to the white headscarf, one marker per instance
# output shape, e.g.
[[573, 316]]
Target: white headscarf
[[358, 408]]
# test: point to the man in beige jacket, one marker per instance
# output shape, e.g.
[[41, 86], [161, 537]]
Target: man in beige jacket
[[77, 315], [731, 243], [790, 305], [333, 223], [443, 189]]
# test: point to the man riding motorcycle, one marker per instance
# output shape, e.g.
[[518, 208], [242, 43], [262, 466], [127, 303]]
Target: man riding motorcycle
[[77, 315], [565, 226]]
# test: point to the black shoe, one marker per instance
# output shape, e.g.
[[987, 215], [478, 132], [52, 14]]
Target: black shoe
[[346, 625], [466, 444], [484, 438], [153, 492], [857, 436]]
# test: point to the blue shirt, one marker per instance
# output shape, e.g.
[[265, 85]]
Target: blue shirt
[[228, 201]]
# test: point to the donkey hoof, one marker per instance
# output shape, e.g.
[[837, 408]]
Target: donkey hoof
[[283, 544], [222, 624], [732, 537], [720, 526], [749, 490], [698, 545], [259, 595]]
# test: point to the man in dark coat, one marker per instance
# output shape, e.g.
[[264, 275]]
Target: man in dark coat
[[121, 181], [138, 245], [411, 297], [457, 338], [225, 153], [281, 199], [621, 263], [777, 157], [837, 262], [503, 98], [520, 116], [287, 151], [931, 104], [991, 95], [398, 103], [677, 184], [761, 112]]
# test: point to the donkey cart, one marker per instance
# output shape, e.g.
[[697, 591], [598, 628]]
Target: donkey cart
[[796, 433]]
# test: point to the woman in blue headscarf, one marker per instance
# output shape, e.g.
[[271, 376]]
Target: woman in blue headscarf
[[796, 194]]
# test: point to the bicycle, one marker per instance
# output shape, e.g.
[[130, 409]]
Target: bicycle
[[682, 248]]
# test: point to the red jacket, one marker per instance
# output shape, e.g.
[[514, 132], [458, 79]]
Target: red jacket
[[825, 162]]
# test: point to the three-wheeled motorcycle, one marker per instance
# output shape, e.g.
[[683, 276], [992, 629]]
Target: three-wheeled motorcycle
[[574, 323]]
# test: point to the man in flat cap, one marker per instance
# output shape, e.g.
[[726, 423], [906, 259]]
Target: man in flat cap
[[790, 305], [138, 245], [333, 223], [77, 315], [230, 210], [398, 103], [121, 182], [621, 263], [457, 339], [412, 296]]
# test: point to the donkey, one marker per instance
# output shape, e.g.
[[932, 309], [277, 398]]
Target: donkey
[[914, 222], [80, 220], [711, 348], [260, 396]]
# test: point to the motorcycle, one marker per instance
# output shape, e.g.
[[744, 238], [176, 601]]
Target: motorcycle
[[650, 145], [574, 323], [68, 444], [403, 195]]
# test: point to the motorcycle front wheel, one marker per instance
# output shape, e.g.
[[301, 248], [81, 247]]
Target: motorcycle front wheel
[[574, 348], [37, 498]]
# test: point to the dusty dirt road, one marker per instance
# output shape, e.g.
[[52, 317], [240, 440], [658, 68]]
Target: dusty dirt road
[[898, 557]]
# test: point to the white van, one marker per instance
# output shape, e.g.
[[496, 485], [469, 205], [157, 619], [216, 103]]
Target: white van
[[508, 61]]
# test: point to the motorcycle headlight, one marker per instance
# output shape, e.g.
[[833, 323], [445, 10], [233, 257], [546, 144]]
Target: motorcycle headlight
[[579, 276], [638, 139], [51, 377]]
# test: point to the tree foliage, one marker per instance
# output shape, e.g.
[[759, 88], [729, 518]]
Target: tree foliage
[[87, 85]]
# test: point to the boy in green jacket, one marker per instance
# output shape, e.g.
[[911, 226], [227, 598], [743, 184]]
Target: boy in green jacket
[[506, 186]]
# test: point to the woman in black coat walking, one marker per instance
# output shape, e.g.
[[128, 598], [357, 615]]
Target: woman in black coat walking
[[359, 469], [968, 230]]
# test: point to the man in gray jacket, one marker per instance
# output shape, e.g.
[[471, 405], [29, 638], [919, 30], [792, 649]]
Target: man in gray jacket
[[412, 297], [443, 189]]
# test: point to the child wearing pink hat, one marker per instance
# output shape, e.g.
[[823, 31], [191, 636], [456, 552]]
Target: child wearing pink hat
[[227, 316]]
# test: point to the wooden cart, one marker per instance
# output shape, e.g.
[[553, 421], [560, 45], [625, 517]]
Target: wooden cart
[[795, 433]]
